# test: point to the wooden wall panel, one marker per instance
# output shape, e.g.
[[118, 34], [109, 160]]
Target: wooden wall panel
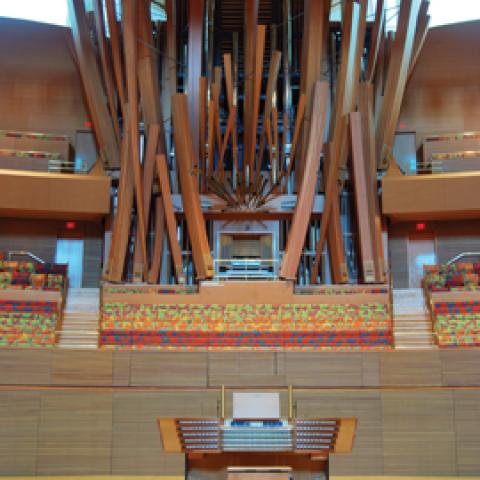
[[40, 87], [312, 369], [443, 90], [81, 367], [19, 412], [404, 369], [136, 440], [419, 433], [168, 369], [366, 457], [467, 429], [236, 369], [121, 368], [75, 433], [25, 367], [461, 368]]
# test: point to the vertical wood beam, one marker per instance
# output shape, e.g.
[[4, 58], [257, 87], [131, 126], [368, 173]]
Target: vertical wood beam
[[116, 52], [250, 40], [121, 224], [92, 85], [361, 186], [315, 33], [368, 129], [157, 250], [376, 40], [170, 221], [169, 68], [257, 86], [191, 198], [106, 65], [130, 47], [347, 85], [396, 79], [306, 194], [195, 50]]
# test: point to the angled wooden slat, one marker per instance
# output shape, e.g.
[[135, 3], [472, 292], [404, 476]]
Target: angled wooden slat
[[274, 68], [276, 163], [250, 40], [203, 126], [116, 52], [306, 195], [170, 221], [420, 34], [314, 56], [195, 50], [169, 68], [344, 102], [130, 50], [92, 85], [153, 136], [106, 66], [211, 138], [361, 186], [157, 251], [257, 85], [296, 131], [148, 81], [368, 129], [376, 40], [121, 225], [336, 249], [396, 79], [202, 258]]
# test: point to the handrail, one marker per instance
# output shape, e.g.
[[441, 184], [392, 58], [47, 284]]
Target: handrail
[[462, 255], [24, 253]]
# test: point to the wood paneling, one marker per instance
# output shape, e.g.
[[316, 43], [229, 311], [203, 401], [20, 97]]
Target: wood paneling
[[25, 367], [431, 197], [419, 433], [81, 367], [366, 457], [404, 369], [443, 90], [40, 87], [19, 412], [53, 195], [168, 369], [309, 369], [96, 432], [75, 433], [237, 369]]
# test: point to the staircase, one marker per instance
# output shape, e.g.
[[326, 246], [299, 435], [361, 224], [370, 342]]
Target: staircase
[[411, 320], [80, 319]]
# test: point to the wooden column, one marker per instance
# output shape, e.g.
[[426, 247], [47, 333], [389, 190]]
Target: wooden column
[[175, 251], [92, 86], [250, 39], [191, 198], [306, 194], [347, 85], [130, 48], [106, 65], [195, 54], [396, 79], [364, 213], [123, 217], [315, 34], [116, 52]]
